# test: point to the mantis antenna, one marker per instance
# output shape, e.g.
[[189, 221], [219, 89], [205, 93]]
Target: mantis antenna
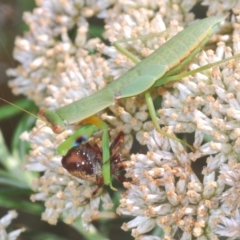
[[24, 110]]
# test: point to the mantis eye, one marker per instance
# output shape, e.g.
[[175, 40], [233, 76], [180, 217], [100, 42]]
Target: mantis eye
[[57, 128]]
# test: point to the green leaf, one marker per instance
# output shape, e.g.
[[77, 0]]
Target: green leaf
[[91, 234], [18, 204], [8, 110], [39, 235], [7, 178]]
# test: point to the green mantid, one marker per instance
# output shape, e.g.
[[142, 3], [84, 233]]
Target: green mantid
[[160, 67]]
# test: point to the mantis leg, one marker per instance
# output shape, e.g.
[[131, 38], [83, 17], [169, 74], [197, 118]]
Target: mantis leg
[[79, 137], [167, 79], [97, 122]]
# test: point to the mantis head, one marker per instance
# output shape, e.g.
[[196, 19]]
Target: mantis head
[[52, 119]]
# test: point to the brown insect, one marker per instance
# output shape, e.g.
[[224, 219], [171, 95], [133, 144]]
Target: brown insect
[[85, 161]]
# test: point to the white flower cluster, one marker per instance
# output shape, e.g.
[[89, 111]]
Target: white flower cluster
[[5, 221], [165, 193]]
